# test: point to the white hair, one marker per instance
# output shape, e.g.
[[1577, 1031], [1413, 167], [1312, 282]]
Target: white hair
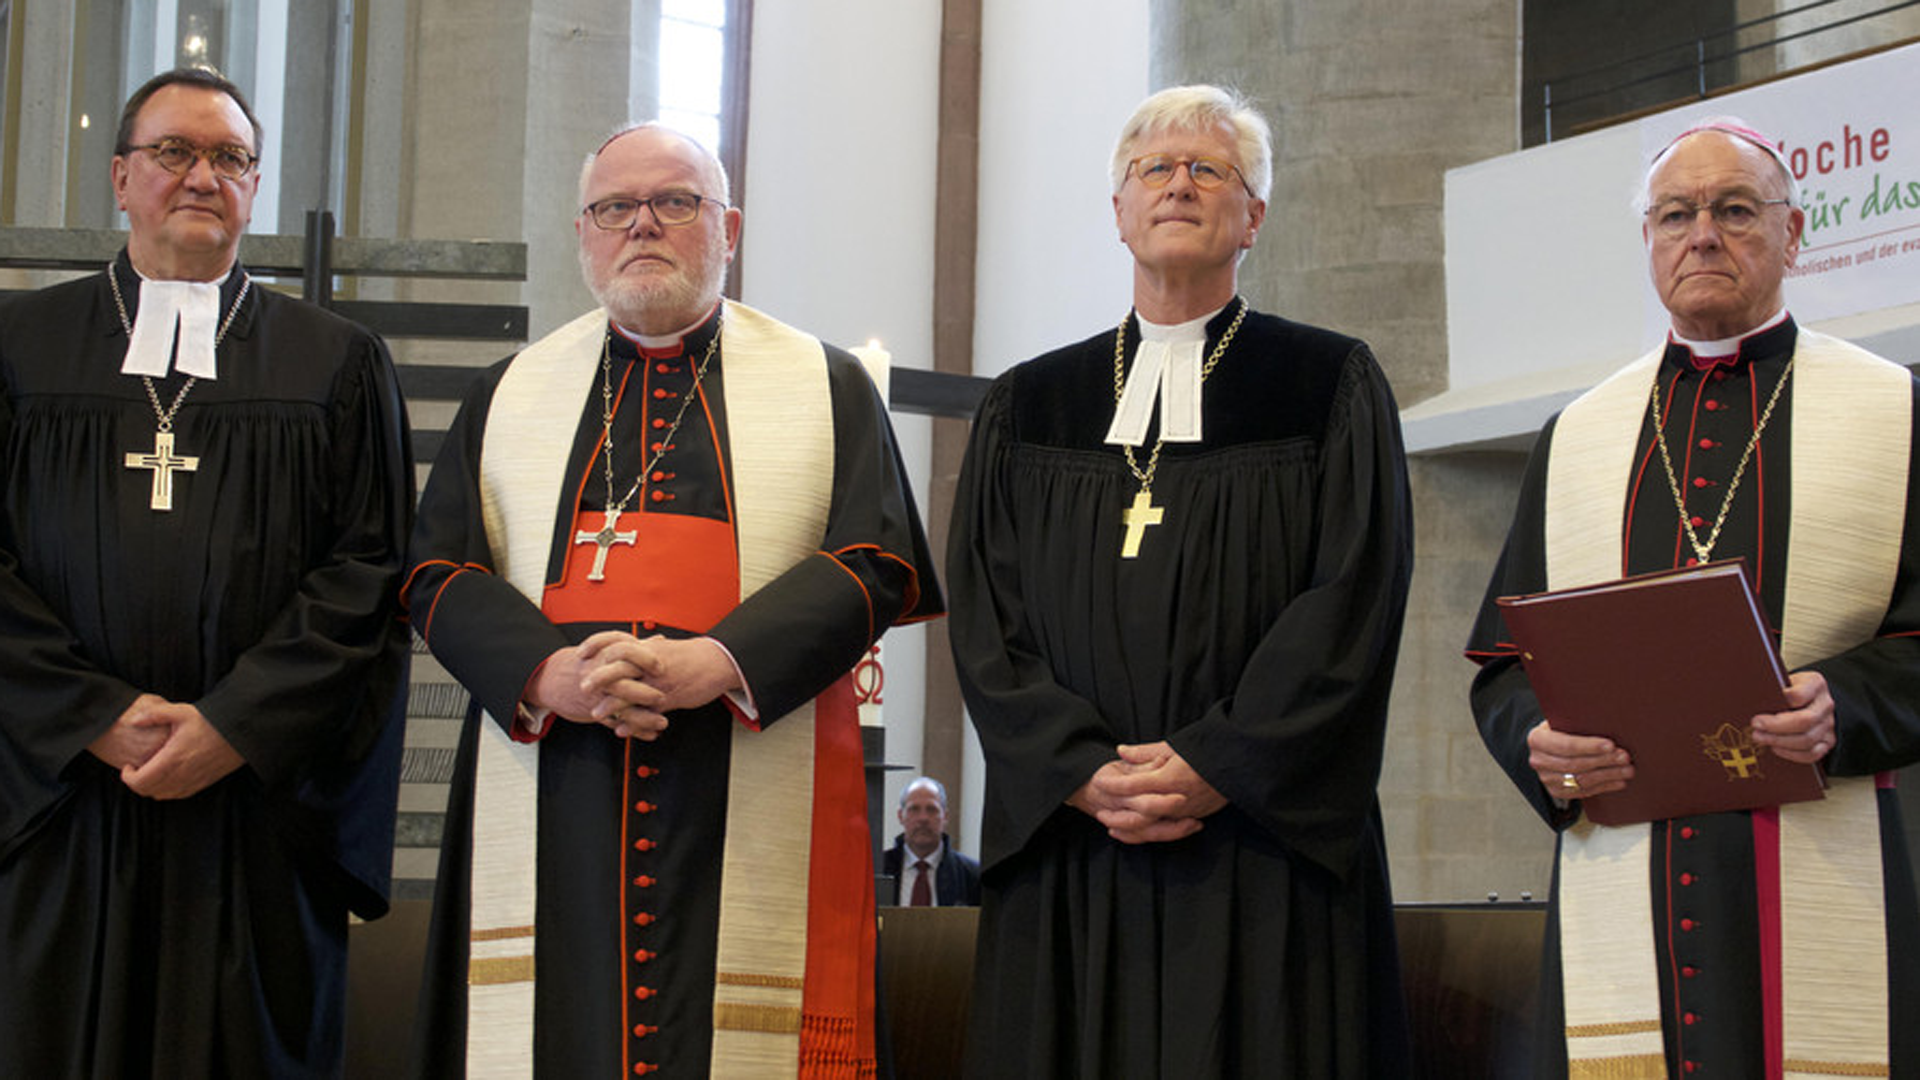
[[1197, 108]]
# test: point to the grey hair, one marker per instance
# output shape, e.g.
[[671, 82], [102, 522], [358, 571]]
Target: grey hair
[[939, 791], [1196, 108], [717, 171], [1733, 128]]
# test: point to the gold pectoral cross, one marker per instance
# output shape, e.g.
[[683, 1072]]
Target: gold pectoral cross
[[163, 463], [605, 539], [1136, 518]]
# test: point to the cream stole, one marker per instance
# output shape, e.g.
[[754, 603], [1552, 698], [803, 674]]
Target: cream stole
[[780, 435], [1850, 444]]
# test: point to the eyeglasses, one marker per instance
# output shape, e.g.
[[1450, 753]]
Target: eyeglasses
[[669, 208], [1207, 173], [178, 155], [1733, 215]]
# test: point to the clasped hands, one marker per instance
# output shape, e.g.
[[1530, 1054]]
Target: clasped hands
[[628, 684], [165, 749], [1148, 795], [1580, 766]]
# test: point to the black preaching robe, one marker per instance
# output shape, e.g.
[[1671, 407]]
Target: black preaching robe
[[206, 936], [1256, 632], [791, 639], [1701, 871]]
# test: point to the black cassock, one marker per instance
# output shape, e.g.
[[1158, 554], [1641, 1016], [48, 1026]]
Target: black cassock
[[1702, 868], [206, 936], [1256, 632], [791, 638]]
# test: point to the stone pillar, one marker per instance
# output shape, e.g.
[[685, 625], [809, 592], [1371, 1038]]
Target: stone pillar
[[1371, 102], [505, 99]]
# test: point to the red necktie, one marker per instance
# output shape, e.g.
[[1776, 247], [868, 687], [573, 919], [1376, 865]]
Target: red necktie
[[922, 888]]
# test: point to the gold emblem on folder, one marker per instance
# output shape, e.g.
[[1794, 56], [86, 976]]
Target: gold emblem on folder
[[1734, 749]]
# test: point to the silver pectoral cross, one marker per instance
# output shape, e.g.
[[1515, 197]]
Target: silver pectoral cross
[[1136, 518], [163, 463], [605, 539]]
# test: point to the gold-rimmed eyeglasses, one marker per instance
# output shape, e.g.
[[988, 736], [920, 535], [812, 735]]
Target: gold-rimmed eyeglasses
[[1733, 215], [178, 155], [669, 208], [1207, 173]]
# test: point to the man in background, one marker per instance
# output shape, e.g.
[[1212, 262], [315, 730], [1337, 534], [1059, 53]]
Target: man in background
[[925, 867]]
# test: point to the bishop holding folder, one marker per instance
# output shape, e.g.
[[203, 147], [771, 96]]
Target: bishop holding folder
[[1774, 942]]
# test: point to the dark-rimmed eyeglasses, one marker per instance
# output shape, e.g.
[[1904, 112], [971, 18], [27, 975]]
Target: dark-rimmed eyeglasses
[[669, 208], [1733, 215], [178, 155], [1207, 173]]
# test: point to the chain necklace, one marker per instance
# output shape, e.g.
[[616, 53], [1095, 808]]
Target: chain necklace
[[1142, 512], [162, 461], [609, 534], [1704, 552]]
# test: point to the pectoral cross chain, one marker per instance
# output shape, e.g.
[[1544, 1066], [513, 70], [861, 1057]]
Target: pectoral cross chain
[[1136, 518], [605, 539], [163, 463]]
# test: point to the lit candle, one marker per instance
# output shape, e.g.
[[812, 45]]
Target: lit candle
[[879, 363]]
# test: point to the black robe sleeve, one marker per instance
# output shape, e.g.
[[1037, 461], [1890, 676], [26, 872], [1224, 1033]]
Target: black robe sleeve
[[1299, 744], [1040, 739], [810, 625], [58, 701], [339, 638], [489, 635]]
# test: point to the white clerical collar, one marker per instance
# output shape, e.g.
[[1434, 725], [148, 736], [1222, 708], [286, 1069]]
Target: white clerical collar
[[190, 307], [1725, 346], [675, 340], [1167, 365]]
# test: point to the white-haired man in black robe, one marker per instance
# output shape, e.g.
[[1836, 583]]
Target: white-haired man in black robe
[[1176, 631]]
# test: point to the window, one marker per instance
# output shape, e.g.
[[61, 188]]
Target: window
[[692, 67]]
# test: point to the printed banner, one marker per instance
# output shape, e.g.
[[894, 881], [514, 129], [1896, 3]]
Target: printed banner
[[1851, 134]]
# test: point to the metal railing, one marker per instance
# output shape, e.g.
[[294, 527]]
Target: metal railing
[[1707, 50]]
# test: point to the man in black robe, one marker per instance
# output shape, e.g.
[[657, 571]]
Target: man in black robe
[[1741, 943], [1176, 646], [654, 545], [202, 668]]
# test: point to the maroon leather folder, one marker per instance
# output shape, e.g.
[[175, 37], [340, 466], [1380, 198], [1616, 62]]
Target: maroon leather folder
[[1671, 666]]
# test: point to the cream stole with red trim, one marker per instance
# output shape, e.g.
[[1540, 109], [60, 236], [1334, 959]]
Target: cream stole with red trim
[[1851, 440], [780, 434]]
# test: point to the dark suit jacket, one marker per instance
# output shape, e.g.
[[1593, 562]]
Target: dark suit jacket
[[956, 881]]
